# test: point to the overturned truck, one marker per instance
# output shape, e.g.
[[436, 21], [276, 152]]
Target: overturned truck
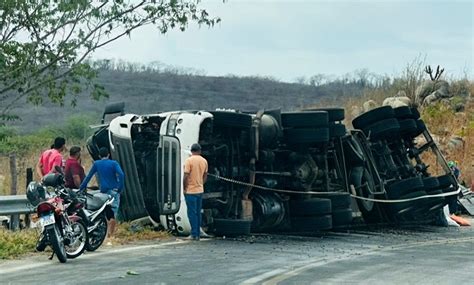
[[278, 171]]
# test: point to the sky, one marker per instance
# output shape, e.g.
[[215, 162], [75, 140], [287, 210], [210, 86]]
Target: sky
[[289, 39]]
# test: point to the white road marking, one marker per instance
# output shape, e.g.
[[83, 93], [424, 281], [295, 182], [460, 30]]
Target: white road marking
[[264, 276]]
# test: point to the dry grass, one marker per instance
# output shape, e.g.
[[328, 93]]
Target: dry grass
[[19, 243], [14, 244], [128, 233]]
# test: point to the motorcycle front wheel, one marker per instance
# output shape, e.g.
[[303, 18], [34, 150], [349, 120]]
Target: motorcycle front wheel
[[78, 240], [57, 243], [97, 236]]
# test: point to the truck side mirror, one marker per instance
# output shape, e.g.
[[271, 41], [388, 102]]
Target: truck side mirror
[[113, 108]]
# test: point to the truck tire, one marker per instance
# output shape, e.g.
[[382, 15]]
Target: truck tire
[[446, 181], [415, 113], [387, 128], [310, 224], [403, 112], [337, 130], [408, 127], [435, 203], [420, 128], [401, 188], [370, 210], [431, 184], [307, 136], [338, 200], [232, 119], [310, 207], [342, 217], [232, 227], [334, 114], [372, 116], [313, 119], [404, 207]]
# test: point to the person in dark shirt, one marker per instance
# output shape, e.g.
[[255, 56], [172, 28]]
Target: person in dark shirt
[[74, 172], [111, 181]]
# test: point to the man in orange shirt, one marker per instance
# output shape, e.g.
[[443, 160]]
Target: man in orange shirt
[[51, 158], [195, 175]]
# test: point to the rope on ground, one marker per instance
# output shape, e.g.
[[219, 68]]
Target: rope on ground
[[456, 192]]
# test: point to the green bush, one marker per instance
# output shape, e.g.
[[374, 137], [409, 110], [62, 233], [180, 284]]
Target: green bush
[[24, 144], [437, 110], [6, 131], [75, 129]]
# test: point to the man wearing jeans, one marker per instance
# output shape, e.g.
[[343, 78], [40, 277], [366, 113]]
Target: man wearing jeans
[[195, 175], [111, 180]]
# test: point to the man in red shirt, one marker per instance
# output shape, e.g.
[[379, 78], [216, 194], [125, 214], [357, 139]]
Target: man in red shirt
[[51, 158], [74, 172]]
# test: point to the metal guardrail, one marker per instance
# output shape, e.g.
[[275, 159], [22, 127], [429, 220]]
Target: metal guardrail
[[15, 204]]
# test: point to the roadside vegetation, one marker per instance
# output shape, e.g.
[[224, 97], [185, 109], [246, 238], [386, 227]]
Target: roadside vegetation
[[14, 244], [19, 243], [129, 232], [27, 147]]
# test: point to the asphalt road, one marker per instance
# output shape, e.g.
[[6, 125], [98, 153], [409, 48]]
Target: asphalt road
[[421, 255]]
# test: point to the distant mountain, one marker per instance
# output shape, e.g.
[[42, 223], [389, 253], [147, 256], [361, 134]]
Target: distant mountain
[[152, 92]]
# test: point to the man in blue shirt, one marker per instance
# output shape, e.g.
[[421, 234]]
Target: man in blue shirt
[[111, 181]]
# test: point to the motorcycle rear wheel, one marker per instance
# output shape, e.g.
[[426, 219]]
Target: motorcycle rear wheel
[[57, 243], [97, 236], [79, 240]]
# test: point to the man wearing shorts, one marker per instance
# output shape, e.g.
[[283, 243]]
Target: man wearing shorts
[[111, 181]]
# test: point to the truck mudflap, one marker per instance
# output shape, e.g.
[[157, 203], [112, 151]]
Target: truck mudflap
[[131, 205], [162, 179]]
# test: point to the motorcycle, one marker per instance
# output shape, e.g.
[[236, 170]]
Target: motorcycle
[[61, 227], [94, 213]]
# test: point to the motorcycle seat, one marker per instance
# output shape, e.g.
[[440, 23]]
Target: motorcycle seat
[[94, 202]]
